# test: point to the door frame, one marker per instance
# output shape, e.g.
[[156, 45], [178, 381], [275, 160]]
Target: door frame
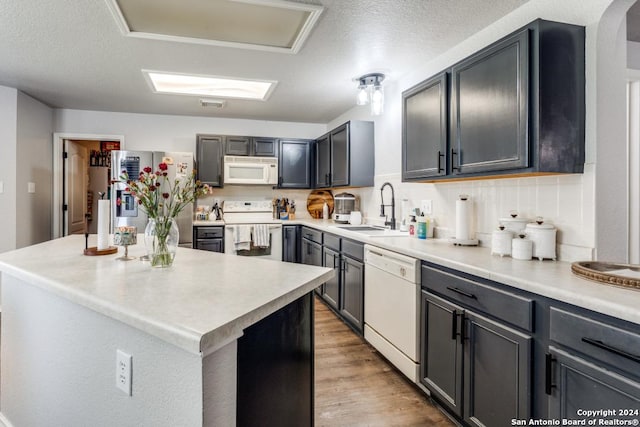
[[633, 154], [58, 172]]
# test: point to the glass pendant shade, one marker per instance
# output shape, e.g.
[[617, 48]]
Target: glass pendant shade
[[377, 100], [363, 95]]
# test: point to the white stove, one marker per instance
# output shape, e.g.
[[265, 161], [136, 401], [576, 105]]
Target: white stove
[[248, 213]]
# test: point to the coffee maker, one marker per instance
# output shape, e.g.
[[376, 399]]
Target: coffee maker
[[344, 204]]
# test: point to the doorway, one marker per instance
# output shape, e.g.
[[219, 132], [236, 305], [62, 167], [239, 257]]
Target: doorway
[[81, 172]]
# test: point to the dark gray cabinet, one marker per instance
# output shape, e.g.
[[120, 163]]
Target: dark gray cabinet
[[323, 162], [489, 108], [345, 156], [352, 307], [345, 292], [208, 238], [425, 129], [311, 250], [441, 365], [209, 153], [251, 146], [515, 107], [477, 366], [591, 364], [581, 385], [291, 243], [497, 372], [294, 165], [331, 294]]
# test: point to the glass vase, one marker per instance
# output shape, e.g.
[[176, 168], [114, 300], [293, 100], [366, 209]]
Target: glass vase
[[161, 238]]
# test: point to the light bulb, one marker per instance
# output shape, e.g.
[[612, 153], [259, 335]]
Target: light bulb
[[377, 101], [363, 96]]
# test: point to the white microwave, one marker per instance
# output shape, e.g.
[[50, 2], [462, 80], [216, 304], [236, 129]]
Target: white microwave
[[250, 170]]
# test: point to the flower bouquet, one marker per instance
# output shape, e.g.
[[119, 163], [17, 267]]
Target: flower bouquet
[[162, 199]]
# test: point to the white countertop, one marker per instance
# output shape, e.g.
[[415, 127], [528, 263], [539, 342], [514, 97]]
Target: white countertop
[[201, 303], [552, 279]]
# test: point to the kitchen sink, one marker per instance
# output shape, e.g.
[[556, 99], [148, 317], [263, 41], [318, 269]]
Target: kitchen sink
[[372, 230]]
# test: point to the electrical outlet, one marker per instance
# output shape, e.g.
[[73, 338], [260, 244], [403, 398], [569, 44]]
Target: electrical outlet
[[123, 372], [31, 187], [427, 207]]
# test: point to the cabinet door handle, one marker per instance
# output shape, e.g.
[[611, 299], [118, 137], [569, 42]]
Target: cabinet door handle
[[458, 291], [326, 179], [279, 181], [548, 373], [453, 166], [219, 179], [454, 324], [334, 262], [611, 349], [440, 156]]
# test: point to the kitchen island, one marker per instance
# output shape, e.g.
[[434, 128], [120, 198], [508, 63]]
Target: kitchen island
[[65, 316]]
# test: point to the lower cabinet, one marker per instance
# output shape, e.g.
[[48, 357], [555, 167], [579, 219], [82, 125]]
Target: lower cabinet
[[290, 243], [331, 292], [592, 363], [478, 368], [345, 291], [208, 238], [311, 254], [576, 385]]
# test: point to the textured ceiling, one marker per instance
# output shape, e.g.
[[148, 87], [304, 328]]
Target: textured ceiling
[[71, 54]]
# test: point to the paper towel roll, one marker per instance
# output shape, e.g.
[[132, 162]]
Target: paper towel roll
[[463, 219], [103, 224]]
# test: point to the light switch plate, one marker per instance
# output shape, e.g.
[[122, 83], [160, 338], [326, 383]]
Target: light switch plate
[[31, 187]]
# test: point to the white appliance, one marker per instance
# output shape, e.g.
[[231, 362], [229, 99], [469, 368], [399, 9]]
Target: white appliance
[[125, 210], [392, 307], [249, 213], [250, 170]]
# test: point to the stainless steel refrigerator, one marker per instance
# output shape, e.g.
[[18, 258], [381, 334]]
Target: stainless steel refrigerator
[[125, 209]]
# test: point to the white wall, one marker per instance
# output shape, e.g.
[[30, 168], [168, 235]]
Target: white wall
[[177, 133], [8, 113], [34, 164], [568, 201]]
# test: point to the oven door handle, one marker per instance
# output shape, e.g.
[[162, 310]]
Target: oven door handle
[[271, 227]]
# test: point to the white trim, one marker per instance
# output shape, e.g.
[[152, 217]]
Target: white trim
[[314, 14], [58, 178], [633, 154]]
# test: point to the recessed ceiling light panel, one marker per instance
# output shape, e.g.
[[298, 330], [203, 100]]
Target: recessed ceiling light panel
[[273, 25], [199, 85]]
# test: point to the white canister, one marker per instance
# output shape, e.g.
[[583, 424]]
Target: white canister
[[501, 242], [543, 237], [514, 224], [521, 248], [355, 218]]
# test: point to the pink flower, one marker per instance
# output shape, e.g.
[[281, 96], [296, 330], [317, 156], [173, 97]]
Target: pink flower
[[162, 166], [147, 169], [158, 184], [165, 195]]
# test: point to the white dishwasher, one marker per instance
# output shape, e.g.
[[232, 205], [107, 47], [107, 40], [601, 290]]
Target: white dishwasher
[[392, 307]]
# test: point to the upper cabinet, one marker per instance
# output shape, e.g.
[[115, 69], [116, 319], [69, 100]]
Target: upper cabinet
[[515, 107], [425, 129], [294, 164], [251, 146], [209, 152], [345, 156], [489, 108]]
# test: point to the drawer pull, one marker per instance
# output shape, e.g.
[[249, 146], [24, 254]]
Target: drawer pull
[[458, 291], [454, 324], [611, 349], [548, 374]]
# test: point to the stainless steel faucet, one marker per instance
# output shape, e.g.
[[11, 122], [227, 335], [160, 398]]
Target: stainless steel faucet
[[391, 223]]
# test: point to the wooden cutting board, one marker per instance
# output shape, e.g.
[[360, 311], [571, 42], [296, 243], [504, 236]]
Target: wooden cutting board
[[316, 201]]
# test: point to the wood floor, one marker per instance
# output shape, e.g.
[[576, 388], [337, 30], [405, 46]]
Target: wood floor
[[355, 386]]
